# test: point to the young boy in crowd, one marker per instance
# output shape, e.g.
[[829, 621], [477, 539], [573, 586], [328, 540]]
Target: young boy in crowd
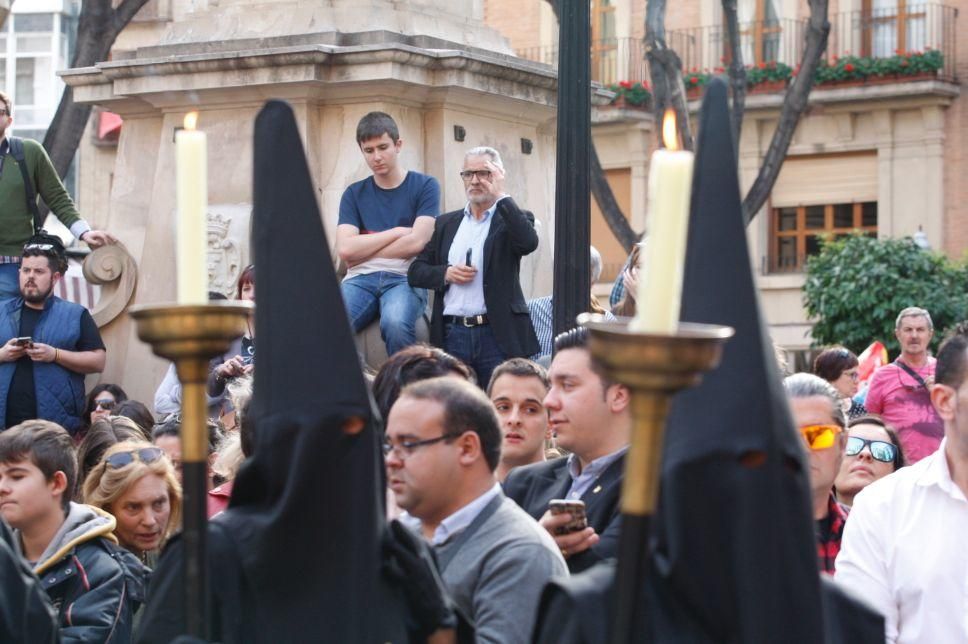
[[94, 585]]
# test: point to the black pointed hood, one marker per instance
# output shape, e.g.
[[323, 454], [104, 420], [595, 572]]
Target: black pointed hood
[[305, 511], [735, 546]]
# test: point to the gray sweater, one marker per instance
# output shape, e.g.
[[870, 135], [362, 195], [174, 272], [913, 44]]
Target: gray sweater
[[496, 569]]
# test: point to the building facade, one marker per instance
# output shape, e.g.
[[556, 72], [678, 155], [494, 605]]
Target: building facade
[[883, 153]]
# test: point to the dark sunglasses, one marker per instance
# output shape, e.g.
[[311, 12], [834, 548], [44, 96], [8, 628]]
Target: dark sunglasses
[[145, 455], [880, 450], [105, 403]]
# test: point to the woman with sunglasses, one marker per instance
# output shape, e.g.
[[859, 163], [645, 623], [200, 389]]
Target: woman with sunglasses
[[136, 483], [838, 366], [101, 401], [873, 451]]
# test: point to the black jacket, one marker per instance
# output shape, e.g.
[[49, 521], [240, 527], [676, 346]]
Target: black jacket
[[25, 612], [533, 486], [511, 237]]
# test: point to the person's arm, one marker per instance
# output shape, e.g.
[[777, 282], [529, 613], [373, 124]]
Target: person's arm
[[427, 270], [168, 395], [412, 243], [103, 612], [508, 592], [861, 565], [520, 224], [76, 361], [875, 392], [354, 248]]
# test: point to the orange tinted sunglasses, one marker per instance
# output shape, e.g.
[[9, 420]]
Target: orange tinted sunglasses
[[820, 436]]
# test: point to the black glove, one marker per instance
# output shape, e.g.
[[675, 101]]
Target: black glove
[[409, 564]]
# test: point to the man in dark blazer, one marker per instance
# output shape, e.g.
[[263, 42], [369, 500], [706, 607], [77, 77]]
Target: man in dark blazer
[[590, 417], [472, 263]]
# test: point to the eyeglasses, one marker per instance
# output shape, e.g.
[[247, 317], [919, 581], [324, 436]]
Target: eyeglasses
[[145, 455], [105, 403], [482, 175], [820, 436], [406, 448], [880, 450]]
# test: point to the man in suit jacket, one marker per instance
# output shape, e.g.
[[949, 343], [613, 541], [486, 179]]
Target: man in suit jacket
[[591, 418], [442, 445], [473, 262]]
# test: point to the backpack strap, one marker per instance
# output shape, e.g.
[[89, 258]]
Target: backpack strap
[[16, 150], [914, 374]]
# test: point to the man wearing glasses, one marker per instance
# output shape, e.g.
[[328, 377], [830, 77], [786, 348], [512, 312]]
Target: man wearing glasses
[[473, 263], [900, 392], [904, 546], [47, 345], [17, 214], [817, 412], [443, 443]]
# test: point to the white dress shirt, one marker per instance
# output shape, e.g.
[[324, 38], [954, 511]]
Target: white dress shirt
[[468, 299], [905, 551]]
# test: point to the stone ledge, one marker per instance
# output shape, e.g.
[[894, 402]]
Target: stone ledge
[[946, 91]]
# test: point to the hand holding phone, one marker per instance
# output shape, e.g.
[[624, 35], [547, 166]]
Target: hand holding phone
[[579, 520], [25, 341], [467, 258]]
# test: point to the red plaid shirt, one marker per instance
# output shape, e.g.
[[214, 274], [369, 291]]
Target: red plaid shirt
[[830, 530]]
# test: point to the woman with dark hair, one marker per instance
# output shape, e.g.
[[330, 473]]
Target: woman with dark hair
[[416, 362], [101, 401], [104, 433], [242, 351], [873, 451], [838, 366], [138, 412]]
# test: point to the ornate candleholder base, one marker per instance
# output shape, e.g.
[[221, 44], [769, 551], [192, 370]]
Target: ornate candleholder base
[[654, 367], [190, 336]]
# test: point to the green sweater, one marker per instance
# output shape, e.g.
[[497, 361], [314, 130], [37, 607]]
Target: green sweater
[[16, 221]]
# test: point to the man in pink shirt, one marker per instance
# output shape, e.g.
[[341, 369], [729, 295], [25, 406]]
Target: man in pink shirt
[[900, 392]]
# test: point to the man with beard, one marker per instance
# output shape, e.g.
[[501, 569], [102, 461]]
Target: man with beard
[[48, 344]]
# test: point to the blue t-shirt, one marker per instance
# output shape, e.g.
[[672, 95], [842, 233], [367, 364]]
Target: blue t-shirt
[[372, 210]]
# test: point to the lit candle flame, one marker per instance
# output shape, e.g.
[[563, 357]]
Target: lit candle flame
[[670, 136], [191, 120]]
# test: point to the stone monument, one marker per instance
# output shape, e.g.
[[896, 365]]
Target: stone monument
[[449, 81]]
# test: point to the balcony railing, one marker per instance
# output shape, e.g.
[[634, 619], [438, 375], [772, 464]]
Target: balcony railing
[[878, 33]]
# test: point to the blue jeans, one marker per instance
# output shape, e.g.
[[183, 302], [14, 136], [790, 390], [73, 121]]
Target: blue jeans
[[389, 296], [9, 281], [476, 346]]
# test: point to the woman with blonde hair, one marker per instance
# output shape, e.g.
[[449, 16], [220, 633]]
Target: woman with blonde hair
[[136, 483]]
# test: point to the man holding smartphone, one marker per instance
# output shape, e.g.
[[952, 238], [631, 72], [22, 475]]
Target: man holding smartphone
[[47, 345], [473, 262], [590, 417]]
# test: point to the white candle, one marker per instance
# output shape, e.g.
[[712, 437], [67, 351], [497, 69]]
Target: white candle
[[191, 191], [661, 264]]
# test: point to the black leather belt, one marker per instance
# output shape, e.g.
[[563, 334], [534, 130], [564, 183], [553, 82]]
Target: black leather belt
[[468, 321]]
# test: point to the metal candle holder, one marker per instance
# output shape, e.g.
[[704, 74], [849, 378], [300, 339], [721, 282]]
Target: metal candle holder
[[654, 367], [190, 335]]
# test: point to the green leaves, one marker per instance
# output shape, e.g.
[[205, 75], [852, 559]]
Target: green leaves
[[857, 285]]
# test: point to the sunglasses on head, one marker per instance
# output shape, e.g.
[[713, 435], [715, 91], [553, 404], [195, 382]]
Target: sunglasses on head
[[105, 403], [880, 450], [820, 436], [145, 455]]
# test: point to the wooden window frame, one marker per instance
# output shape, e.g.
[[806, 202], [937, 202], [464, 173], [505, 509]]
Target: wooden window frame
[[603, 49], [800, 232], [900, 18], [760, 32]]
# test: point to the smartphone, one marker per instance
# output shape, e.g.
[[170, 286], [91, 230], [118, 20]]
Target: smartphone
[[25, 341], [579, 521], [467, 258]]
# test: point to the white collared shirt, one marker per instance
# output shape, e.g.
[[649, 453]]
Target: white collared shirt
[[905, 551], [468, 299], [458, 521]]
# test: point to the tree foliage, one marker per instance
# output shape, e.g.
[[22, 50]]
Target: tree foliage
[[857, 285]]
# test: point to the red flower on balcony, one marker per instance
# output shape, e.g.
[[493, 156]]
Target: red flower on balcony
[[904, 63], [849, 67], [625, 84], [693, 80], [720, 70], [762, 65]]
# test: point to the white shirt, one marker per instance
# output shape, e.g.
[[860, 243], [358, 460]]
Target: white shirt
[[468, 299], [905, 551], [458, 521]]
